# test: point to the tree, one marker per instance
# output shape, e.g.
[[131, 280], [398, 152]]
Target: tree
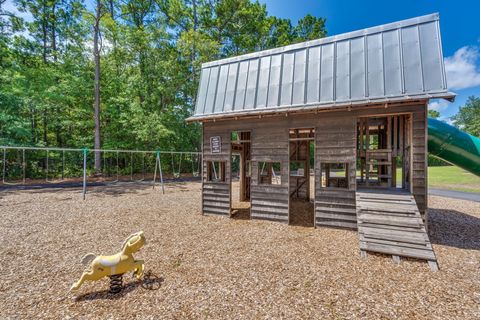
[[310, 28], [468, 116], [433, 114], [123, 75], [99, 13]]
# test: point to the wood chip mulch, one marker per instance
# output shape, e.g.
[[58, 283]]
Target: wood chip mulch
[[215, 267]]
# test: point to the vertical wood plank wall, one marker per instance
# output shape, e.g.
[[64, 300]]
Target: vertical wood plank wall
[[419, 159], [335, 142]]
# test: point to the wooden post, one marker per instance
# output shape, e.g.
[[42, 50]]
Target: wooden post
[[390, 151], [242, 174], [394, 172], [395, 136], [367, 147], [361, 150]]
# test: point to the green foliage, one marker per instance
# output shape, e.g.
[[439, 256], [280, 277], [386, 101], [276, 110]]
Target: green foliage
[[433, 114], [151, 54], [468, 116], [436, 162]]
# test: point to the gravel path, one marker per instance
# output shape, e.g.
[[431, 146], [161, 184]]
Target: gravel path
[[470, 196], [214, 267]]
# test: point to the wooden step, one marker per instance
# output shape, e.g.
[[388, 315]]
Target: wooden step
[[389, 222]]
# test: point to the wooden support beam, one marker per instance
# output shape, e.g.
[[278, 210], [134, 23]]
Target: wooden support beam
[[433, 266], [402, 135], [363, 254], [396, 259], [395, 136], [388, 130], [394, 172], [367, 147]]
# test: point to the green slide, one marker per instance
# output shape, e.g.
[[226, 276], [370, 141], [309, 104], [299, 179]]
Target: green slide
[[453, 145]]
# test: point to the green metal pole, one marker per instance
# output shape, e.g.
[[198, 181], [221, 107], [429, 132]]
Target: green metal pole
[[85, 151], [4, 164], [161, 173], [155, 170], [24, 165], [46, 167]]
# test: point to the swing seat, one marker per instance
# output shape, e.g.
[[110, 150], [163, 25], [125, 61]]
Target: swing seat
[[176, 175]]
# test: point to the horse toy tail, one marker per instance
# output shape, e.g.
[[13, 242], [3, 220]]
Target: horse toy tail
[[88, 258]]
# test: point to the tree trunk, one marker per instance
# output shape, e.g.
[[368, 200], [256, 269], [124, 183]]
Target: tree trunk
[[194, 55], [33, 125], [54, 33], [45, 128], [44, 37], [96, 105]]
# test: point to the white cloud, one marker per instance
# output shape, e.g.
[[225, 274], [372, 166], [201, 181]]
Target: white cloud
[[438, 105], [448, 120], [9, 6], [462, 69]]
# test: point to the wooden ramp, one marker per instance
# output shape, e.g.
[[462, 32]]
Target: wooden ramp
[[389, 222]]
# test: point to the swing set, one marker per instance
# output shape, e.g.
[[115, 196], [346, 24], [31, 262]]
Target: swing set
[[23, 166]]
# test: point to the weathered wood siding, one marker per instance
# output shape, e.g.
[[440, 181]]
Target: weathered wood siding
[[419, 159], [336, 143], [270, 144], [216, 195]]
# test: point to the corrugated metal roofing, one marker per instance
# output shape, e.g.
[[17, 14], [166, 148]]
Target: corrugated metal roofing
[[392, 62]]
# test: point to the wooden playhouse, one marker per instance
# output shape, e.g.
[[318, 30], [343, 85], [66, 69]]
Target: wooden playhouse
[[327, 133]]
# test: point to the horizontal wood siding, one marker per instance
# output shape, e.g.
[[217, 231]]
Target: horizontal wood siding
[[216, 195], [270, 144], [336, 143], [216, 198]]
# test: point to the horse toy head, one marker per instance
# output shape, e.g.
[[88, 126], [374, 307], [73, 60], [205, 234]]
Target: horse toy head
[[133, 243]]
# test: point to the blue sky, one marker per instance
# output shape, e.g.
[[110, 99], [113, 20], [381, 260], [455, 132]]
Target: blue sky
[[459, 26]]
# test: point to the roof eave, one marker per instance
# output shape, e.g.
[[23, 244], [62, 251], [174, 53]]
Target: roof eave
[[450, 96]]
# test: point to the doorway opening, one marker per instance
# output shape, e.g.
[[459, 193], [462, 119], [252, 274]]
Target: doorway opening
[[302, 176], [384, 151], [240, 175]]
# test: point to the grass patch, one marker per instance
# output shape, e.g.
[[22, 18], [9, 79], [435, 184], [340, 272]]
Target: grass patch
[[453, 178], [448, 177]]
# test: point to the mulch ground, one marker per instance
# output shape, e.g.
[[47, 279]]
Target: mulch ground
[[215, 267]]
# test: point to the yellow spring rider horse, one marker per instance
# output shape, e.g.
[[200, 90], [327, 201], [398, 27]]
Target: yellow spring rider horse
[[117, 264]]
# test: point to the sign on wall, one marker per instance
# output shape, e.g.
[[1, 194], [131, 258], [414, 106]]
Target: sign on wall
[[216, 144]]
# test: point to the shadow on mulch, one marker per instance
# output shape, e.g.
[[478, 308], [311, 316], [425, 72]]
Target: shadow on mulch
[[301, 213], [98, 188], [241, 214], [153, 284], [454, 229]]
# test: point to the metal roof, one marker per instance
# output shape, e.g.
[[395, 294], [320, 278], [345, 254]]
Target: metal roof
[[393, 62]]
